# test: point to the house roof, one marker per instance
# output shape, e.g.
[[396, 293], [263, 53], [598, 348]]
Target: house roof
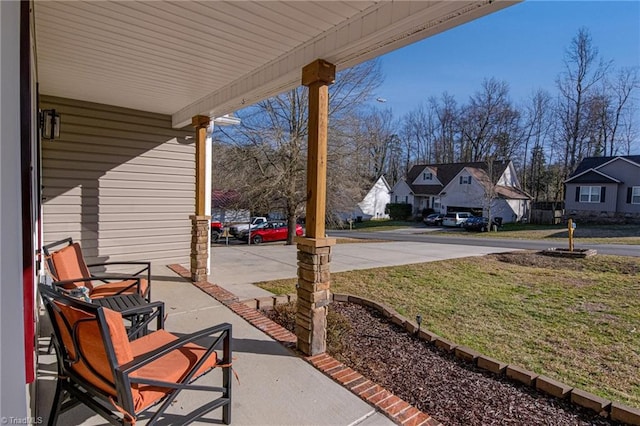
[[196, 57], [445, 172], [511, 193], [592, 176], [593, 163], [384, 180], [225, 198]]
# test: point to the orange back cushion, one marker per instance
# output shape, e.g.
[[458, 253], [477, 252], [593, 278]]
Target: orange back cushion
[[69, 264], [92, 347]]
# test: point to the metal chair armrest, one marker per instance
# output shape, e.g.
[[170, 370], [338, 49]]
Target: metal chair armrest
[[104, 279], [147, 267], [225, 328]]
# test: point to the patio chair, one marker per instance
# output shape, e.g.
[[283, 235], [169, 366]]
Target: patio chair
[[69, 270], [121, 380]]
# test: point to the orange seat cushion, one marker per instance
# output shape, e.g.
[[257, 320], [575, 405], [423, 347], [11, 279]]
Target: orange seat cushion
[[172, 367], [111, 289]]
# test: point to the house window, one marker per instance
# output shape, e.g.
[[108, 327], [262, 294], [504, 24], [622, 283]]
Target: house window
[[436, 204], [635, 195], [465, 180], [427, 176], [590, 194], [406, 199], [396, 201]]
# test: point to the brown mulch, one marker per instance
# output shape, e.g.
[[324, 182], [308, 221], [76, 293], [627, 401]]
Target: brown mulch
[[450, 390]]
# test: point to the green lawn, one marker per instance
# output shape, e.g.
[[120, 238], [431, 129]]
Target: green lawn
[[574, 320], [612, 234]]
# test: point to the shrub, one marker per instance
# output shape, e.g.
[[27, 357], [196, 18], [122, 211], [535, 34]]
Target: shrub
[[399, 211]]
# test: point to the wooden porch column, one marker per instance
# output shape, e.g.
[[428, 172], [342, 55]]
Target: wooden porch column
[[201, 221], [314, 250]]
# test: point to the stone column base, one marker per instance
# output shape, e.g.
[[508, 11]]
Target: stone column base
[[314, 279], [199, 247]]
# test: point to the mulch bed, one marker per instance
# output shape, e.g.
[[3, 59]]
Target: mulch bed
[[450, 390]]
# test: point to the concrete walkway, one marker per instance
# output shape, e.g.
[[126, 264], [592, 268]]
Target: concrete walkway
[[237, 267]]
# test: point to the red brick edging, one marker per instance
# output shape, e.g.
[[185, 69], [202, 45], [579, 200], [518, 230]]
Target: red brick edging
[[615, 411], [398, 410]]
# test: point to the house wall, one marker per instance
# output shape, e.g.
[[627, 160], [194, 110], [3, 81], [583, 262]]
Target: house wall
[[230, 216], [509, 177], [376, 200], [420, 180], [13, 392], [518, 209], [629, 175], [120, 181], [401, 193], [463, 195], [608, 207]]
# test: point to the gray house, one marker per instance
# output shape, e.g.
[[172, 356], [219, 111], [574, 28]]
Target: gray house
[[605, 188]]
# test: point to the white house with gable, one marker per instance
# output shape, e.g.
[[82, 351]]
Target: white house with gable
[[483, 188]]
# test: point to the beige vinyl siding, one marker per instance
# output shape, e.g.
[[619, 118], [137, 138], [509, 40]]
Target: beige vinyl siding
[[120, 181]]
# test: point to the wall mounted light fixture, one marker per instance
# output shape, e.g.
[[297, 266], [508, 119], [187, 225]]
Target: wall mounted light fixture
[[50, 124]]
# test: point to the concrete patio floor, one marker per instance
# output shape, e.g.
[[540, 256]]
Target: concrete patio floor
[[276, 386]]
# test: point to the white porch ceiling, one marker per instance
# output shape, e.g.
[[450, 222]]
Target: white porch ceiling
[[214, 57]]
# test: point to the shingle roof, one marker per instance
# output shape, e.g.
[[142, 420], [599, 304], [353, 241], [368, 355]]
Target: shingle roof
[[511, 193], [595, 162], [445, 172], [224, 198]]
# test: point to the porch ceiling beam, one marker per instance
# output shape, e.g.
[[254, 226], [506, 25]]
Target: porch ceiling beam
[[384, 27]]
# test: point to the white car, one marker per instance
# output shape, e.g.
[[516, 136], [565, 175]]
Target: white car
[[237, 229], [455, 218]]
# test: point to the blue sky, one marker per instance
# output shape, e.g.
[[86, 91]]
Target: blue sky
[[523, 45]]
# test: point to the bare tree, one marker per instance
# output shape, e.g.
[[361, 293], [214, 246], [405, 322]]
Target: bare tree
[[271, 141], [611, 108], [538, 125], [489, 124], [577, 84]]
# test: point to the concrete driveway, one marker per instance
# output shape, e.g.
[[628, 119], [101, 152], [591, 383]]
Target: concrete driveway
[[238, 267]]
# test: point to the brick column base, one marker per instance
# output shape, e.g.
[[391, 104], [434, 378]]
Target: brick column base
[[314, 279], [199, 247]]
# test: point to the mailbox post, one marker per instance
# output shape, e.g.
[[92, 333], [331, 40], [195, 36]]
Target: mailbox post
[[572, 226]]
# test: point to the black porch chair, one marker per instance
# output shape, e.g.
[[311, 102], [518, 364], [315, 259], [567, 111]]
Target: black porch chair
[[69, 270], [121, 379]]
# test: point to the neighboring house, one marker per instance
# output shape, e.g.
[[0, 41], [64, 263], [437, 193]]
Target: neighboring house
[[464, 187], [224, 207], [373, 204], [604, 188]]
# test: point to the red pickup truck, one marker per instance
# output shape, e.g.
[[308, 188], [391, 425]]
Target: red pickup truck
[[216, 230]]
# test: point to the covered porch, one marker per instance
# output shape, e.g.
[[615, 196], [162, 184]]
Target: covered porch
[[138, 87], [275, 386]]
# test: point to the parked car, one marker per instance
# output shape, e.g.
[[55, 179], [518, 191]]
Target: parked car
[[240, 228], [434, 219], [455, 218], [476, 223], [269, 231], [216, 230], [481, 224]]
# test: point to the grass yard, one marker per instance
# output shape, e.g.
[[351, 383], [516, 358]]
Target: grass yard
[[593, 234], [577, 321]]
